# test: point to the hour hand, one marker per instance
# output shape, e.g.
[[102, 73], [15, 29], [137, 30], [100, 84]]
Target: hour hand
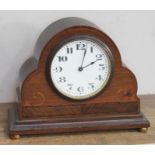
[[91, 63]]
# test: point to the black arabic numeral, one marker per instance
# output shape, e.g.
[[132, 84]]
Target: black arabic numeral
[[70, 86], [91, 49], [80, 46], [99, 56], [62, 58], [102, 66], [80, 89], [69, 50], [62, 79], [58, 69], [91, 85], [99, 77]]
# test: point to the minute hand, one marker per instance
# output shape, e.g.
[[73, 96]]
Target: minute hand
[[91, 63], [83, 58]]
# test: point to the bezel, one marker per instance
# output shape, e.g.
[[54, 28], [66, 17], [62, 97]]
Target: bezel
[[76, 38]]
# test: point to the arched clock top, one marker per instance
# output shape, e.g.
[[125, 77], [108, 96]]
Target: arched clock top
[[68, 27], [55, 28]]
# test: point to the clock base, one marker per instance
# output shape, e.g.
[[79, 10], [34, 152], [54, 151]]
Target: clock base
[[18, 127]]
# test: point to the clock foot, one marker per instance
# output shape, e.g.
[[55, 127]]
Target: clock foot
[[144, 130], [14, 136]]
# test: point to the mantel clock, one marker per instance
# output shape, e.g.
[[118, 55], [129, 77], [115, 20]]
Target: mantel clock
[[75, 82]]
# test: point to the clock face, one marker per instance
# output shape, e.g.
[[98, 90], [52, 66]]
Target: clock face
[[81, 68]]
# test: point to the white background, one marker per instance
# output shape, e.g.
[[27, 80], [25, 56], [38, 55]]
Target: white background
[[132, 31]]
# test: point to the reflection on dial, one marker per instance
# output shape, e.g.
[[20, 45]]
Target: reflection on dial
[[80, 69]]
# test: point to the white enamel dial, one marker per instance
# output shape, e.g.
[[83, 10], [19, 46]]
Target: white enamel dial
[[80, 69]]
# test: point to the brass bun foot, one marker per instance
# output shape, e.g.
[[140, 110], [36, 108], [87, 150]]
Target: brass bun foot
[[144, 130], [14, 136]]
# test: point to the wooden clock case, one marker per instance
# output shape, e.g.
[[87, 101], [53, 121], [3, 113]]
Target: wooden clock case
[[41, 109]]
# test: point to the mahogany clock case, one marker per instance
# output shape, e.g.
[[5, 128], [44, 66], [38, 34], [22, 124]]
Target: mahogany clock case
[[41, 109]]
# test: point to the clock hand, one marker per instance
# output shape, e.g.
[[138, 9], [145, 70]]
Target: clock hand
[[81, 68], [83, 57], [91, 63]]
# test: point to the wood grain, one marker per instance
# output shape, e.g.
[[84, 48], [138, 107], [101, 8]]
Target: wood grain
[[99, 138]]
